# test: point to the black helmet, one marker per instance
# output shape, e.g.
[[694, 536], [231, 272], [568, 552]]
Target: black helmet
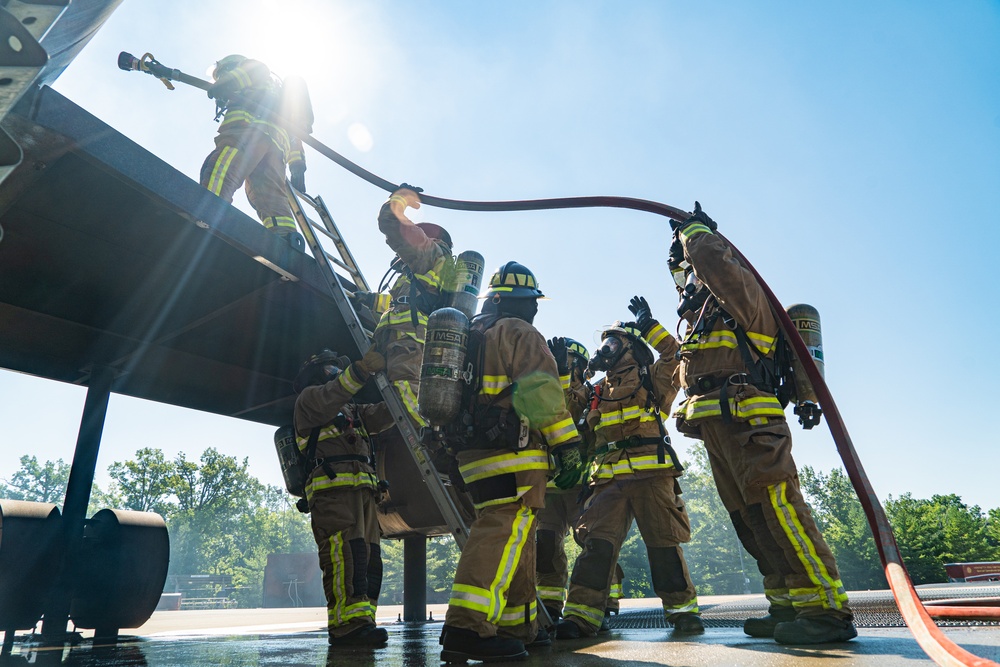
[[514, 280], [577, 349], [627, 332], [227, 64], [436, 232], [320, 368]]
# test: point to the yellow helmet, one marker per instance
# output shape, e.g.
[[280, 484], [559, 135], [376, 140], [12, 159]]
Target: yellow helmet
[[514, 280], [227, 64]]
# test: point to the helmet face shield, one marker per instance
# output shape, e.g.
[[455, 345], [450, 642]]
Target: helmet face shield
[[607, 355]]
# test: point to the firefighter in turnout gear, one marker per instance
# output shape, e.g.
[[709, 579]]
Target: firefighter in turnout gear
[[517, 423], [730, 384], [423, 260], [635, 477], [342, 492], [562, 506]]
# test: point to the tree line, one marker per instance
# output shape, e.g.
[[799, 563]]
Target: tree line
[[223, 520]]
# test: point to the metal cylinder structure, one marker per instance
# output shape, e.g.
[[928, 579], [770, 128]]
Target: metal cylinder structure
[[122, 569], [807, 324], [415, 579], [292, 470], [30, 546], [463, 290], [443, 367]]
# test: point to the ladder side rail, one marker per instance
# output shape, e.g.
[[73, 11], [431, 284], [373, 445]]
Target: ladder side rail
[[394, 403], [338, 240]]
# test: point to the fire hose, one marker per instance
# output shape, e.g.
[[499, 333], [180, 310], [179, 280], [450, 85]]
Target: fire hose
[[917, 617]]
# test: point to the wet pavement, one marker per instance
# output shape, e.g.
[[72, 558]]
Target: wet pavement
[[296, 637]]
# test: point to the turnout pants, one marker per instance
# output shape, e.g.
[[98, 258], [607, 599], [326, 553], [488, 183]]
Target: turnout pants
[[347, 535], [403, 358], [494, 589], [652, 500], [249, 156], [759, 487], [560, 514]]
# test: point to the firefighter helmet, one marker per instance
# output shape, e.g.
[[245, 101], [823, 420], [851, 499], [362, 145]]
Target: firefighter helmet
[[320, 368], [436, 232], [514, 280], [631, 333], [227, 64], [577, 348]]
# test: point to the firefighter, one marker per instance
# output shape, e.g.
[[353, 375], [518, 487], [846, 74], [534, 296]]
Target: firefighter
[[635, 478], [342, 492], [730, 386], [519, 422], [563, 507], [252, 148], [423, 258]]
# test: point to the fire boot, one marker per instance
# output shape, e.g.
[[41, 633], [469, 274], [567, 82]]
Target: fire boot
[[686, 623], [461, 645], [815, 630], [566, 629], [541, 639], [366, 635], [764, 626]]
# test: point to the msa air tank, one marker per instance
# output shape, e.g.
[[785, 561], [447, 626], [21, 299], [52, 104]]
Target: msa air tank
[[463, 289], [292, 469], [442, 372], [806, 321]]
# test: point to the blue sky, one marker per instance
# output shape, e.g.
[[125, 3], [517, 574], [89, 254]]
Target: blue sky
[[850, 150]]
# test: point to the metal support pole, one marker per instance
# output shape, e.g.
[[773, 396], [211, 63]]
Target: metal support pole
[[415, 579], [81, 480]]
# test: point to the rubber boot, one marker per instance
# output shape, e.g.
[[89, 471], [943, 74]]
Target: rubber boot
[[764, 626], [686, 623], [461, 645], [815, 630], [605, 626], [366, 635], [541, 639]]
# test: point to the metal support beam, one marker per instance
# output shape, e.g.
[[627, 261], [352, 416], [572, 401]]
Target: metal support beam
[[415, 579], [81, 480]]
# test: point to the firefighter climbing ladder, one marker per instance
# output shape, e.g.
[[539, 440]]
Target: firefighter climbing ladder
[[326, 262]]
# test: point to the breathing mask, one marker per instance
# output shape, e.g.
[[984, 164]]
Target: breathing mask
[[693, 294], [607, 355]]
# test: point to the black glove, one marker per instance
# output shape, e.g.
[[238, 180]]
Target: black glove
[[298, 170], [557, 346], [643, 316], [699, 216], [366, 299], [410, 187], [302, 505], [569, 466], [455, 475], [676, 256]]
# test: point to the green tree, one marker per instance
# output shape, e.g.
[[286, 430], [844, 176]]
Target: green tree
[[144, 484], [841, 519], [38, 482]]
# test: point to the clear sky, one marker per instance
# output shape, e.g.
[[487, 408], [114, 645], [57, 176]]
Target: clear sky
[[850, 150]]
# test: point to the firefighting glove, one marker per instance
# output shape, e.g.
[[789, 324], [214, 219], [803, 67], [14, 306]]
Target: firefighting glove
[[557, 346], [569, 466], [455, 475], [370, 364], [407, 186], [643, 317], [364, 299], [698, 216], [298, 171]]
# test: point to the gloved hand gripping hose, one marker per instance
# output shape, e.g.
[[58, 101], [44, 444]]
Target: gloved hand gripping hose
[[930, 638]]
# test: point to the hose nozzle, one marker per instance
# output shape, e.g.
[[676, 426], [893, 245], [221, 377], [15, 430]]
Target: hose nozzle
[[128, 62]]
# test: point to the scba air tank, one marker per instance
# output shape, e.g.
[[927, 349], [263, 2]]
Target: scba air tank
[[442, 373], [290, 459], [806, 321], [463, 291]]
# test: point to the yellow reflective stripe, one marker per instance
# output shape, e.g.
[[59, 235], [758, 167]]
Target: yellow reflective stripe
[[830, 591], [470, 597], [242, 77], [517, 617], [402, 316], [756, 406], [359, 480], [592, 616], [557, 593], [347, 380], [690, 607], [409, 400], [628, 414], [694, 229], [273, 221], [337, 578], [222, 164], [494, 384], [719, 338], [562, 431], [383, 302], [564, 381], [294, 156], [627, 466], [762, 342], [656, 335], [501, 464], [778, 596], [616, 591], [509, 558], [356, 610]]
